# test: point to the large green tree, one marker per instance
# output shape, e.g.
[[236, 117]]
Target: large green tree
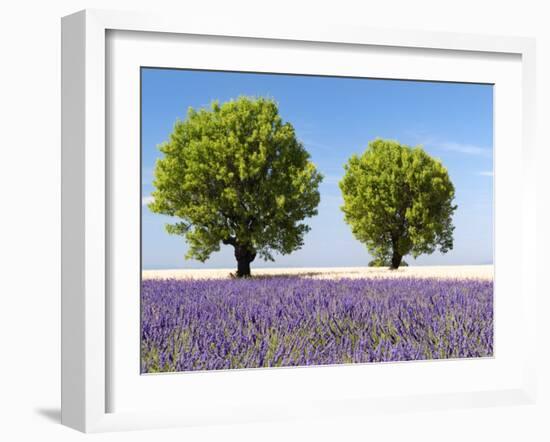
[[236, 174], [398, 201]]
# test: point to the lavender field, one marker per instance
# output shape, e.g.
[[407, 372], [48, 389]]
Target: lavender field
[[291, 321]]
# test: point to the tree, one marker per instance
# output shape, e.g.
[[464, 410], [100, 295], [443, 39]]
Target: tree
[[236, 174], [398, 201]]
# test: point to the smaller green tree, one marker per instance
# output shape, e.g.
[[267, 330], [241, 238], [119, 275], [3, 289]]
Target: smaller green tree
[[236, 174], [398, 201]]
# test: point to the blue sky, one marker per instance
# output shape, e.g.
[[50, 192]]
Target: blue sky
[[334, 118]]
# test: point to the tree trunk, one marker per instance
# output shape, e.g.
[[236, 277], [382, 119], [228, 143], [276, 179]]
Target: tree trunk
[[244, 257], [395, 260], [243, 268]]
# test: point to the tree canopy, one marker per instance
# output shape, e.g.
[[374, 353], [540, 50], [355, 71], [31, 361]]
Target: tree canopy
[[236, 174], [398, 201]]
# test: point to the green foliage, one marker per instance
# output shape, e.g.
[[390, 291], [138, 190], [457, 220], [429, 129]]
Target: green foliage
[[236, 174], [377, 262], [398, 201]]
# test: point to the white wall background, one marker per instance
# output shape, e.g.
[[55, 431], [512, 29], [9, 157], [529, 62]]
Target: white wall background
[[30, 215]]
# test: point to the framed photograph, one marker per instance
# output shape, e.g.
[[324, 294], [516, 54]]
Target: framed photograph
[[265, 224]]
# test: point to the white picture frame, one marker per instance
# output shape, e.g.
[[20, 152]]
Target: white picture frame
[[86, 212]]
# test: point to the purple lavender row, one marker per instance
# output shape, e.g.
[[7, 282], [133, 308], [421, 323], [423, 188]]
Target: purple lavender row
[[224, 324]]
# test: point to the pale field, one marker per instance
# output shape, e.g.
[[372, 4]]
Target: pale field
[[445, 272]]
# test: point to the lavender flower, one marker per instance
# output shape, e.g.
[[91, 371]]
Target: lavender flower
[[291, 321]]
